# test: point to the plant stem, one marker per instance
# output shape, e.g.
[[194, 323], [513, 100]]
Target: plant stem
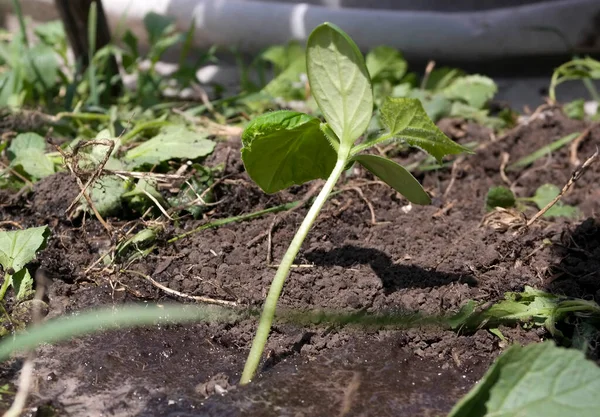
[[5, 285], [92, 32], [22, 26], [266, 318]]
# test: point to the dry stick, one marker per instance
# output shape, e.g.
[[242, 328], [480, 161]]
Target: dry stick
[[16, 174], [180, 294], [96, 173], [453, 175], [83, 192], [503, 163], [574, 177], [573, 158], [369, 205]]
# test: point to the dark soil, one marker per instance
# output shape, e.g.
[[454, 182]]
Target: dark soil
[[414, 259]]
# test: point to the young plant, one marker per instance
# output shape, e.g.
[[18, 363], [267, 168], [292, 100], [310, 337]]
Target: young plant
[[285, 148], [17, 249]]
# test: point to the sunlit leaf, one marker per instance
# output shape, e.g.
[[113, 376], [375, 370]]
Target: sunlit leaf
[[539, 380], [339, 81], [284, 148], [395, 176]]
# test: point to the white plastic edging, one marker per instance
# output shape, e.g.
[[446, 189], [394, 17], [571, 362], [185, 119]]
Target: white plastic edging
[[528, 30]]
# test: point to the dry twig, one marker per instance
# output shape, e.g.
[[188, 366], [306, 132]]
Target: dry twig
[[574, 177]]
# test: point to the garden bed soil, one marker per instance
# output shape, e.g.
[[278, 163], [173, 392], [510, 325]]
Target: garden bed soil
[[430, 260]]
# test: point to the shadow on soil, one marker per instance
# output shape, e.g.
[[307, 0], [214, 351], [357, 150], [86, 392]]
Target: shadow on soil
[[577, 274], [393, 276]]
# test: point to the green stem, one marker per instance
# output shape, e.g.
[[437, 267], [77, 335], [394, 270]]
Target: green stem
[[266, 318], [5, 285], [92, 22], [22, 26], [140, 127]]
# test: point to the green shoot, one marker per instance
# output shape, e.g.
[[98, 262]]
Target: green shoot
[[17, 249], [284, 148]]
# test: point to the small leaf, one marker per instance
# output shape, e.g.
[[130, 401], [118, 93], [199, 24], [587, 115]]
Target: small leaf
[[172, 142], [539, 380], [17, 248], [285, 148], [575, 109], [27, 150], [396, 177], [22, 283], [475, 90], [406, 120], [548, 192], [157, 24], [386, 63], [499, 197], [339, 81]]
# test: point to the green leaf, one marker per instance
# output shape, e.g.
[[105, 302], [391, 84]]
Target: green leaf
[[539, 380], [440, 78], [386, 63], [17, 248], [157, 25], [436, 105], [575, 109], [51, 33], [288, 84], [339, 81], [106, 195], [42, 66], [548, 192], [395, 176], [172, 142], [286, 148], [283, 57], [406, 120], [475, 90], [499, 197], [27, 151], [22, 283]]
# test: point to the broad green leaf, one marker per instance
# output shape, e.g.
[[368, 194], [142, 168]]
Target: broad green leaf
[[406, 120], [475, 90], [27, 150], [548, 192], [539, 380], [339, 81], [543, 151], [172, 142], [106, 195], [386, 63], [41, 66], [17, 248], [285, 148], [395, 176]]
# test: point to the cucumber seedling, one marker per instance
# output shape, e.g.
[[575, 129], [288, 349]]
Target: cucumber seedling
[[285, 148]]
